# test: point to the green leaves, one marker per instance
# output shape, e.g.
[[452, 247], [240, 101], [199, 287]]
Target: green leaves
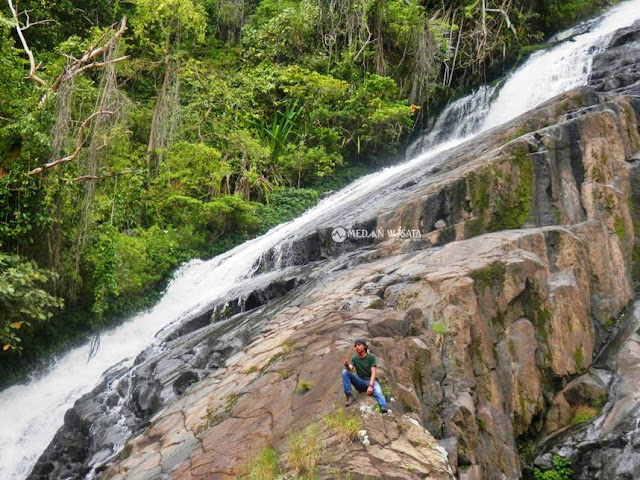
[[561, 470], [128, 265], [285, 204], [281, 32], [160, 22], [376, 120], [194, 169], [22, 298], [281, 127]]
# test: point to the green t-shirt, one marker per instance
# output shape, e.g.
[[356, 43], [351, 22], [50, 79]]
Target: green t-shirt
[[363, 365]]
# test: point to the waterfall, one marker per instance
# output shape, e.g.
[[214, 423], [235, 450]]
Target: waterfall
[[31, 413], [462, 118], [544, 75], [550, 73]]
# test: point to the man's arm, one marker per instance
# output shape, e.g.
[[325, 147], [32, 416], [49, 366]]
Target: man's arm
[[347, 364], [372, 380]]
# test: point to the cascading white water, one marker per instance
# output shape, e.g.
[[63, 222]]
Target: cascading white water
[[547, 74], [472, 110], [544, 75], [30, 414]]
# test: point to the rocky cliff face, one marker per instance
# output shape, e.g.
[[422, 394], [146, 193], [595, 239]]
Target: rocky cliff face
[[486, 327], [603, 442]]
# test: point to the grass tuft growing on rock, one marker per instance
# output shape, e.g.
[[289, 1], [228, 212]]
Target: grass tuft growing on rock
[[287, 346], [304, 386], [211, 418], [231, 401], [620, 228], [343, 424], [439, 328], [263, 466], [305, 452], [583, 414], [274, 359]]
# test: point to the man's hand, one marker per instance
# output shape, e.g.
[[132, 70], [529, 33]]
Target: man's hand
[[346, 362], [370, 390]]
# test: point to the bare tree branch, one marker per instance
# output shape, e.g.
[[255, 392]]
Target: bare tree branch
[[32, 62], [79, 143], [84, 178], [364, 45], [39, 22], [77, 65], [82, 64], [100, 64], [506, 18], [29, 23]]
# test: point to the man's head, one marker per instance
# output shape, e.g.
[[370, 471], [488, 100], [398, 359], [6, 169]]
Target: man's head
[[360, 344]]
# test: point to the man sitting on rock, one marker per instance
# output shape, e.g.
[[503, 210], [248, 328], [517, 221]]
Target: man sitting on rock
[[364, 378]]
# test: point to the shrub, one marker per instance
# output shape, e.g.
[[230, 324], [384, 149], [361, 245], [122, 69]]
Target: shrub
[[439, 328], [561, 470], [284, 205], [22, 299], [304, 386]]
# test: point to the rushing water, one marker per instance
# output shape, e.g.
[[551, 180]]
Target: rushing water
[[30, 414]]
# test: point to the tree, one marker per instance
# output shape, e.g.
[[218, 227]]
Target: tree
[[162, 26]]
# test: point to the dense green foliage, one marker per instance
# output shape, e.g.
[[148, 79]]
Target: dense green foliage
[[21, 298], [202, 123]]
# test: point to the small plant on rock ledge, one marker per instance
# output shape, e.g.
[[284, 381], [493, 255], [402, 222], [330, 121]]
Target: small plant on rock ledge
[[304, 386], [263, 466], [386, 391], [231, 401], [305, 452], [211, 418], [343, 424], [561, 470], [583, 414], [287, 346], [439, 328]]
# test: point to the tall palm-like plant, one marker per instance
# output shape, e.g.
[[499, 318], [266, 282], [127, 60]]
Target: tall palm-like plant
[[281, 129]]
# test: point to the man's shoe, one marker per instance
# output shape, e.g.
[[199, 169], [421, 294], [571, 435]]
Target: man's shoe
[[384, 409], [350, 399]]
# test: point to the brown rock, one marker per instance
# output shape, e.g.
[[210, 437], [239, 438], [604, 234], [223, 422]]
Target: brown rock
[[472, 337]]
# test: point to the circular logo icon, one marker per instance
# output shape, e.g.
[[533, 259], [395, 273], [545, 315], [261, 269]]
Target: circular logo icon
[[339, 234]]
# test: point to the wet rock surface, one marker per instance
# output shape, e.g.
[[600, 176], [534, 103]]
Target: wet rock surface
[[607, 444], [616, 70], [101, 421]]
